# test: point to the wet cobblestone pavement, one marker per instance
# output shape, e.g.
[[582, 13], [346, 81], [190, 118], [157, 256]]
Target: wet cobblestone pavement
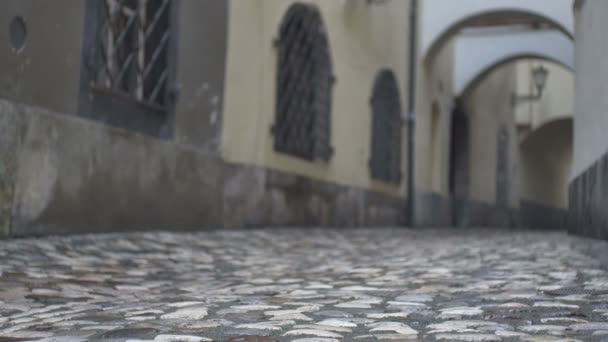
[[305, 285]]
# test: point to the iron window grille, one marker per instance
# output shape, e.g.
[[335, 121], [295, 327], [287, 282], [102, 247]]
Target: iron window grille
[[132, 46], [304, 85], [385, 162]]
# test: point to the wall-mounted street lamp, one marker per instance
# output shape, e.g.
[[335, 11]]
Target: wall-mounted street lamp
[[539, 75]]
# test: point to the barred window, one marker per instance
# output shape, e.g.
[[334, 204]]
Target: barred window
[[304, 85], [385, 163], [132, 49]]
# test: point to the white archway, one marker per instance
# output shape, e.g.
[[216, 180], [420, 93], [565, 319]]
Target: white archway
[[477, 55], [442, 18]]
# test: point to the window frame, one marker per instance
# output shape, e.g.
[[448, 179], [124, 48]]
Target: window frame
[[120, 109], [386, 148], [315, 141]]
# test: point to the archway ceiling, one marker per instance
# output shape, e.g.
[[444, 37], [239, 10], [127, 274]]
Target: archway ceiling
[[477, 54], [442, 19]]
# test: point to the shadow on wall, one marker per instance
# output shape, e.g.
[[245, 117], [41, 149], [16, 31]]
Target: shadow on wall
[[545, 162]]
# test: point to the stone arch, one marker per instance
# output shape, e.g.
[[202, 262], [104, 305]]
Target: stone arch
[[442, 19], [476, 57]]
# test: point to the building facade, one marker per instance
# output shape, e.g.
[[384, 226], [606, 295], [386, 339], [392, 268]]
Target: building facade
[[188, 114]]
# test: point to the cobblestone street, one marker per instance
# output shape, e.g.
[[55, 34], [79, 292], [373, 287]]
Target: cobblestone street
[[305, 285]]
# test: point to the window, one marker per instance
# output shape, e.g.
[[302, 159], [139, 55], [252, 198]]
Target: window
[[304, 85], [133, 45], [127, 63], [385, 163]]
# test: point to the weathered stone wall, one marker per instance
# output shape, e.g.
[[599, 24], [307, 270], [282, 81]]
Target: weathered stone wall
[[46, 70], [533, 215], [63, 174], [74, 175], [10, 138], [589, 201], [258, 197]]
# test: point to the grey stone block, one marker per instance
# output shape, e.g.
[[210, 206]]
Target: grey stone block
[[588, 214]]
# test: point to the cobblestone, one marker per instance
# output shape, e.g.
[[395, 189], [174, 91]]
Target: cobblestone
[[305, 285]]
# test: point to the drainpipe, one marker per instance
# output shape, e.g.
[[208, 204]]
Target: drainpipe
[[411, 115]]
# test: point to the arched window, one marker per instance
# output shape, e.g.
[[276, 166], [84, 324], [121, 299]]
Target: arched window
[[385, 163], [304, 82]]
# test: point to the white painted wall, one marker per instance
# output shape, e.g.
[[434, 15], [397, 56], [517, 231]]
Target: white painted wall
[[591, 84], [476, 54]]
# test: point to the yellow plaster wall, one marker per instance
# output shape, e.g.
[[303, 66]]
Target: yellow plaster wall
[[489, 107], [546, 145], [558, 97], [363, 39], [433, 142]]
